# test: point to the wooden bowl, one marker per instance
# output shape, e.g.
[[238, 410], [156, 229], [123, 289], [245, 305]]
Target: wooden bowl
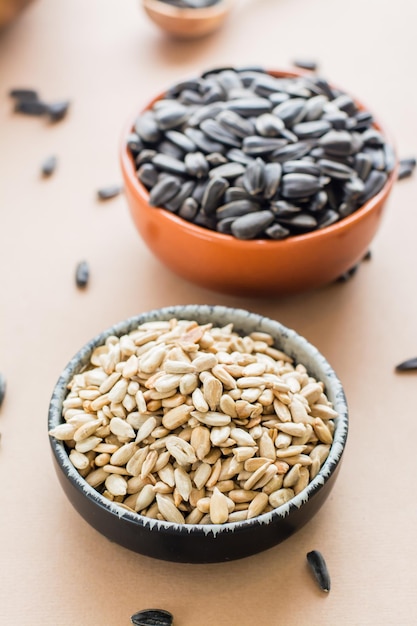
[[187, 23]]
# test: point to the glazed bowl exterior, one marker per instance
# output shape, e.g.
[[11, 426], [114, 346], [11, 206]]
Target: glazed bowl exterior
[[203, 543], [256, 267], [184, 23]]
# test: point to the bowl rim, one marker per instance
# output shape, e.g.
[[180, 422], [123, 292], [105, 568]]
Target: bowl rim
[[189, 13], [192, 311], [345, 224]]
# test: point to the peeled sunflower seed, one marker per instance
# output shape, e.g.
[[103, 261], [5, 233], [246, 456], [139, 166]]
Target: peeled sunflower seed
[[152, 617], [319, 569]]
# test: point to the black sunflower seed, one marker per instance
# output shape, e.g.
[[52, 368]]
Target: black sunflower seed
[[337, 142], [134, 143], [306, 64], [251, 225], [276, 231], [237, 208], [57, 110], [249, 106], [362, 165], [31, 107], [343, 278], [171, 115], [335, 169], [49, 165], [147, 128], [106, 193], [409, 364], [170, 149], [373, 185], [169, 164], [256, 145], [215, 131], [196, 164], [180, 140], [319, 569], [213, 193], [254, 177], [291, 151], [82, 274], [299, 185], [165, 189], [203, 142], [228, 170], [314, 128], [148, 175], [2, 388], [291, 111], [177, 201], [189, 209], [406, 168], [152, 617], [24, 94], [272, 179]]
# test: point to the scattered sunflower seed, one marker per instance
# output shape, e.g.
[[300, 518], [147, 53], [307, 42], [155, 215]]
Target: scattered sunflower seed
[[409, 364], [348, 275], [31, 107], [82, 274], [319, 569], [49, 166], [57, 110], [24, 94], [306, 64], [105, 193], [152, 617], [406, 168], [2, 388]]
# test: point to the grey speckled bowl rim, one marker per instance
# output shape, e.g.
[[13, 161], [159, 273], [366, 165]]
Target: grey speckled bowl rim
[[244, 322]]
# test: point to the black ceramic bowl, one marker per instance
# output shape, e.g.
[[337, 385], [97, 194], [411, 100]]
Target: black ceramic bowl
[[203, 543]]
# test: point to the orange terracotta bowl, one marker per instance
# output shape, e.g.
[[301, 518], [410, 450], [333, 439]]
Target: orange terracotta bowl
[[256, 267]]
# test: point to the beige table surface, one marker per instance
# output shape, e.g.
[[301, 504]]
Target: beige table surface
[[109, 59]]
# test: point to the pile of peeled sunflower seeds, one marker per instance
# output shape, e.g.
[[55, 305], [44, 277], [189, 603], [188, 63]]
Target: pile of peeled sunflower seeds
[[246, 153]]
